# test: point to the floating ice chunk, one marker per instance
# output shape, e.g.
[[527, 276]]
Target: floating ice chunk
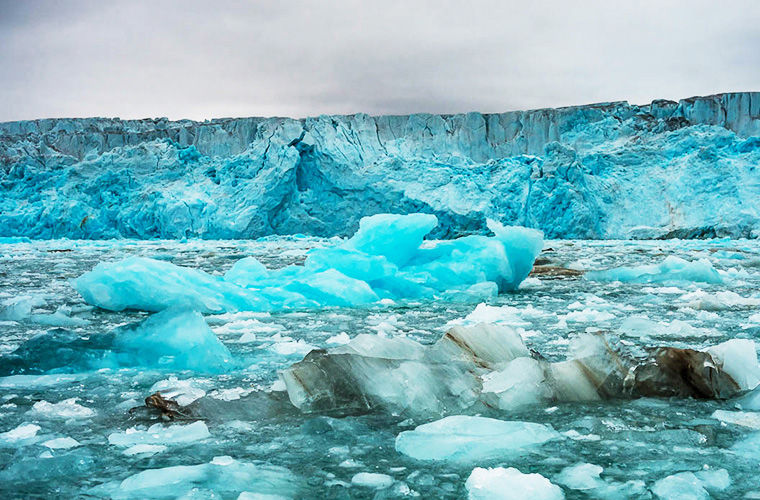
[[161, 434], [62, 443], [588, 315], [681, 486], [339, 339], [522, 382], [64, 410], [174, 339], [183, 392], [581, 477], [671, 269], [738, 358], [719, 301], [145, 449], [61, 317], [384, 260], [500, 483], [461, 438], [742, 418], [247, 272], [20, 307], [372, 480], [290, 347], [399, 374], [20, 433], [714, 480], [638, 326], [153, 285], [223, 475]]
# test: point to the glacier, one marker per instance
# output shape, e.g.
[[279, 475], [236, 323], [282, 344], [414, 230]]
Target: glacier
[[611, 170]]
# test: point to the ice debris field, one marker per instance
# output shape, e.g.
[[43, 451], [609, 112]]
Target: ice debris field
[[383, 365]]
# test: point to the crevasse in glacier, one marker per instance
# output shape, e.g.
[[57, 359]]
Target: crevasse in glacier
[[385, 259], [612, 170]]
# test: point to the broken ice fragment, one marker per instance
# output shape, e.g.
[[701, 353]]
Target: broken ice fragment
[[499, 483], [461, 438]]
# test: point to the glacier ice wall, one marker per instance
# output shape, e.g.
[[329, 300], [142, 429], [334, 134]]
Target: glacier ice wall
[[612, 170]]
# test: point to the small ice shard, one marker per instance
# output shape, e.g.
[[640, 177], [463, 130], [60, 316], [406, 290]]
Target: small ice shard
[[500, 483], [461, 438], [183, 392], [225, 476], [747, 419], [372, 480], [62, 443], [384, 260], [672, 269], [20, 433], [161, 434], [684, 485], [145, 449], [587, 478], [64, 410], [581, 477]]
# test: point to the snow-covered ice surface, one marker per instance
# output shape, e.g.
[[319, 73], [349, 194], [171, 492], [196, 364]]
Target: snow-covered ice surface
[[55, 423]]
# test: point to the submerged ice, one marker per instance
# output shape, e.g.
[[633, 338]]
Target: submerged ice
[[386, 259], [170, 340]]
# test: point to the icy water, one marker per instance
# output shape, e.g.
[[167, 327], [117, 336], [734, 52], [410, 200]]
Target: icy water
[[312, 456]]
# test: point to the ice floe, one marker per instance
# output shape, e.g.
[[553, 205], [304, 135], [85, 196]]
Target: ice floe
[[461, 438]]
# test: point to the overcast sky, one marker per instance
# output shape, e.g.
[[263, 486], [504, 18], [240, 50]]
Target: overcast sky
[[191, 59]]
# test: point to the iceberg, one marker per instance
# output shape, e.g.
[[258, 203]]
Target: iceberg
[[385, 259], [677, 169], [500, 483], [169, 340], [465, 439], [486, 366], [672, 269]]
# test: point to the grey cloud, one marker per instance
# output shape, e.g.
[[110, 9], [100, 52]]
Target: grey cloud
[[206, 59]]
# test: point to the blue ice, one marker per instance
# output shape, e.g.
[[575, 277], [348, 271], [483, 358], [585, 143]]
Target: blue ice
[[387, 258], [170, 340]]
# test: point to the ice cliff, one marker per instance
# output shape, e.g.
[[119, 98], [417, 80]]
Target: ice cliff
[[612, 170]]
